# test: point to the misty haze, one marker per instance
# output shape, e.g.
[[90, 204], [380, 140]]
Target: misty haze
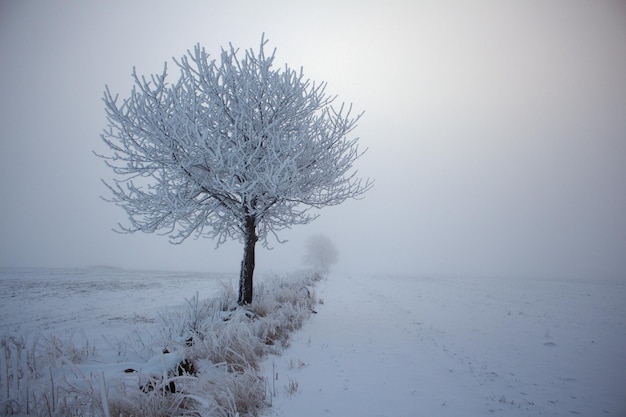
[[483, 273]]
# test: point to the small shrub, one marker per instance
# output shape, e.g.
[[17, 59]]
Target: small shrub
[[292, 386], [241, 393]]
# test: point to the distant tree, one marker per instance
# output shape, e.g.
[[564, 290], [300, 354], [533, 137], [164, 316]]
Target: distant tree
[[320, 253], [233, 149]]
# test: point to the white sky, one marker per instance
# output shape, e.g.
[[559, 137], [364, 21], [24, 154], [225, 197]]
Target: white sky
[[496, 130]]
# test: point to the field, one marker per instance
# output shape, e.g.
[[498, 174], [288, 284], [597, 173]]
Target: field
[[390, 346], [378, 345], [98, 302]]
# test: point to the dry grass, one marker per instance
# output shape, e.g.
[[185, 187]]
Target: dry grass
[[222, 344]]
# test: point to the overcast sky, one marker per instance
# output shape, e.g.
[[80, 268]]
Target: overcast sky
[[496, 130]]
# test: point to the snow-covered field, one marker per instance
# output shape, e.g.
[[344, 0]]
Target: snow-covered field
[[389, 346], [379, 346], [100, 303]]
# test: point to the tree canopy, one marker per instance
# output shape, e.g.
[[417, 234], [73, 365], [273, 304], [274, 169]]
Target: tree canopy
[[233, 149]]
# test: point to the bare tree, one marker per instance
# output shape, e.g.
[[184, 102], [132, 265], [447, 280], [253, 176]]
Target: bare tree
[[320, 253], [234, 149]]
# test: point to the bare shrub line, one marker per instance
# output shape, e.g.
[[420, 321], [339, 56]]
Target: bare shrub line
[[221, 345]]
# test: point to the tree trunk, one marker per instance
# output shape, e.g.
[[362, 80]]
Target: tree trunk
[[247, 264]]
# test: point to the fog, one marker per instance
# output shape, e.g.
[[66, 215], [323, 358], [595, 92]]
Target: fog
[[496, 131]]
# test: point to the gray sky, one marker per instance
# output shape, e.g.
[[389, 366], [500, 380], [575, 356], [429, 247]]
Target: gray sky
[[496, 130]]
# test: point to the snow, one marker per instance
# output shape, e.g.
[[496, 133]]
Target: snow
[[379, 345], [99, 303], [389, 346]]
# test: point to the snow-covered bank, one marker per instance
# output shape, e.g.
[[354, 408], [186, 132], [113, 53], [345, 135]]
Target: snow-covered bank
[[385, 346], [197, 357]]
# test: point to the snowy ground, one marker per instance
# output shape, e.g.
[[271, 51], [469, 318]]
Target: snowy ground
[[380, 346], [102, 304], [383, 346]]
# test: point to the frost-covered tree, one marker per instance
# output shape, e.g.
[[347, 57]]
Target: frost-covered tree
[[320, 253], [232, 149]]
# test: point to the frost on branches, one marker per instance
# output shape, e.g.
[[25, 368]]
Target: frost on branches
[[232, 149]]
